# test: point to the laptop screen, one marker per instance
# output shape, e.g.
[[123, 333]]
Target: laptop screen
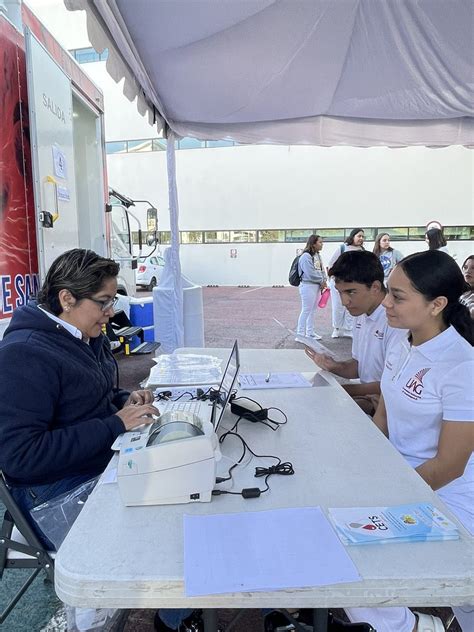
[[227, 384]]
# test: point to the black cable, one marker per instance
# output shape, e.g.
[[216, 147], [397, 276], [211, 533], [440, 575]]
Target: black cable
[[278, 423], [285, 469], [191, 396]]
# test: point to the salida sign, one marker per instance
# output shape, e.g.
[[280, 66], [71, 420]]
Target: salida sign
[[50, 105]]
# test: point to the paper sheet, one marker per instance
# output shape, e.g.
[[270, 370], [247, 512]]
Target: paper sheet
[[250, 381], [265, 550], [312, 343], [109, 476]]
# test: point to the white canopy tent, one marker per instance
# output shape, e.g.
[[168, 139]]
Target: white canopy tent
[[321, 72]]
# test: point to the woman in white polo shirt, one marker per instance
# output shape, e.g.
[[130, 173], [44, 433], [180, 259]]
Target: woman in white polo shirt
[[427, 402]]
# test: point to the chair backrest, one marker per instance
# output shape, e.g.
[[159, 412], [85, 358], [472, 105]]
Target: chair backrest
[[19, 546], [120, 319]]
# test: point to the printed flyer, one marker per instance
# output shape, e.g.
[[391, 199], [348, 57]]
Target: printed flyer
[[403, 523]]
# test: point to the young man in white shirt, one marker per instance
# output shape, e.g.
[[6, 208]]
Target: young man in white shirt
[[359, 279]]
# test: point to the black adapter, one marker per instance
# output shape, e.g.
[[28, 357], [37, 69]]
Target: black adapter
[[249, 410]]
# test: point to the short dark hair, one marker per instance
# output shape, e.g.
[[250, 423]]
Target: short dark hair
[[358, 266], [436, 238], [82, 272], [350, 240]]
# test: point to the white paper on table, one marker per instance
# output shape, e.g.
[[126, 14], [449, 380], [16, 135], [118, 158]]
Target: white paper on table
[[250, 381], [109, 476], [263, 550]]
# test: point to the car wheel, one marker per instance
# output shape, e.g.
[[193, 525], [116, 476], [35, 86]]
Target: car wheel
[[152, 284]]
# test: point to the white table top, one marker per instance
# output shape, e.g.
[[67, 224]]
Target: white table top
[[132, 557]]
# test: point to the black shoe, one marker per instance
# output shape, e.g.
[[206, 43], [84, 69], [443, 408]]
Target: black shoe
[[193, 623], [278, 621]]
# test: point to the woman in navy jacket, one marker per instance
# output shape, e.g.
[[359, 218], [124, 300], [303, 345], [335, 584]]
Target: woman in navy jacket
[[60, 405]]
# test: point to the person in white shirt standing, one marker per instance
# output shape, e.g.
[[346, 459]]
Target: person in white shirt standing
[[313, 280], [427, 405], [342, 321], [359, 279]]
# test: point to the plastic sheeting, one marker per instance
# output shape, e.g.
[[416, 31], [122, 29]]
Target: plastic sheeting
[[351, 72]]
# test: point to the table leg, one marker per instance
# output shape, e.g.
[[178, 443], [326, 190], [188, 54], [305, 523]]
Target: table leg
[[320, 620], [209, 616]]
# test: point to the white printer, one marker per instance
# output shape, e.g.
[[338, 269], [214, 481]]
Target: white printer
[[173, 461]]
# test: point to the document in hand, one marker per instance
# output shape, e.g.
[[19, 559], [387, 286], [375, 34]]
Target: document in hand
[[307, 341], [403, 523]]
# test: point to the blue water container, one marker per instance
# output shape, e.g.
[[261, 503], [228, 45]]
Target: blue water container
[[141, 311]]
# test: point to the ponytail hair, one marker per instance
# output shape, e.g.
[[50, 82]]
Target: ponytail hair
[[435, 273]]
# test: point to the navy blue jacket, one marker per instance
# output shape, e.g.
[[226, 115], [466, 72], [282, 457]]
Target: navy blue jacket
[[57, 401]]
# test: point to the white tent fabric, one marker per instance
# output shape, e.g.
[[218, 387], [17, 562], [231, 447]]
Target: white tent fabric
[[322, 72], [329, 72]]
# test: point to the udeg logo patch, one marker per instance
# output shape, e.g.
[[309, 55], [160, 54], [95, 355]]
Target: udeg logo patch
[[414, 386]]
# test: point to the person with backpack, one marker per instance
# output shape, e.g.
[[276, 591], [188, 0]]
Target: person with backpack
[[312, 281], [342, 321]]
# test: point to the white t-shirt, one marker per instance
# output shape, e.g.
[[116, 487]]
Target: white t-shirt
[[422, 386], [371, 336], [339, 251]]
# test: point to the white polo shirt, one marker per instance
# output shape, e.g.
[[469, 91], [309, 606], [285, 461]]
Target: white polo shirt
[[422, 386], [371, 336]]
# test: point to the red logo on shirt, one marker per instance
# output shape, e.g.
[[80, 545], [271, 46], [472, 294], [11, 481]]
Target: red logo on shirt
[[414, 387]]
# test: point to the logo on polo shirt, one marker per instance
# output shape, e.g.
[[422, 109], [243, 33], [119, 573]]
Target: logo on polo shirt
[[414, 387], [378, 334]]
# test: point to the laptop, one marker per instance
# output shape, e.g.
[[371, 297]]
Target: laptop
[[207, 410]]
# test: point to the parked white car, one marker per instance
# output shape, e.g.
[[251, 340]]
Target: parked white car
[[149, 271]]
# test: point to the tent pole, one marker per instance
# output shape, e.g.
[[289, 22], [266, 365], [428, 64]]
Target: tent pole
[[178, 317]]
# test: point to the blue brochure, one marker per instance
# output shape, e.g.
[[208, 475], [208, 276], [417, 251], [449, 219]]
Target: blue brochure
[[403, 523]]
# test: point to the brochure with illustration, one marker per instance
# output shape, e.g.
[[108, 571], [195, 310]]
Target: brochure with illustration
[[403, 523]]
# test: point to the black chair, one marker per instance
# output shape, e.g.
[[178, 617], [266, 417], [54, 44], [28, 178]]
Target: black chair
[[20, 547]]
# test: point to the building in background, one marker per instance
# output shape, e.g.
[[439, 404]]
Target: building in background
[[246, 210]]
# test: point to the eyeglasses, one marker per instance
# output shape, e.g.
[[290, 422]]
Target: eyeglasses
[[104, 305]]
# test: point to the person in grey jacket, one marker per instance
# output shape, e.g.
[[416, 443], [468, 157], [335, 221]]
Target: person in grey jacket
[[313, 280]]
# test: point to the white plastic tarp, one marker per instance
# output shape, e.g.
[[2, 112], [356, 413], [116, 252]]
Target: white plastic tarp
[[321, 72]]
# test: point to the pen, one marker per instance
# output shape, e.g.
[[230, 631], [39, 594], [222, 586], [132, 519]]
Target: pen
[[267, 379]]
